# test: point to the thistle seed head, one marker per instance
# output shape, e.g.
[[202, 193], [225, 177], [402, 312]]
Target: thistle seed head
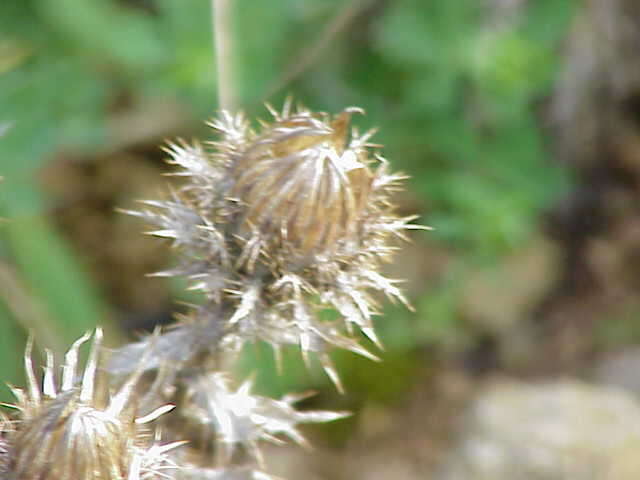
[[73, 429], [277, 224]]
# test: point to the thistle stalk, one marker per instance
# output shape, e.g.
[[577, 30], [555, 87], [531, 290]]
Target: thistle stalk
[[221, 14]]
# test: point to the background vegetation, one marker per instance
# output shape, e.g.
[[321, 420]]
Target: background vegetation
[[460, 89]]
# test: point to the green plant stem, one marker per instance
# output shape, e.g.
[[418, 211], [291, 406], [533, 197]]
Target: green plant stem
[[223, 48]]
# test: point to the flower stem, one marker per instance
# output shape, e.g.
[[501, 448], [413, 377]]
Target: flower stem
[[223, 48]]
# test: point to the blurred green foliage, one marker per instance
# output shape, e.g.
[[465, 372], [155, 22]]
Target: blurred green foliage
[[454, 87]]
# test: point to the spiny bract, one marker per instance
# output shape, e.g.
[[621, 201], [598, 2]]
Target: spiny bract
[[277, 224], [240, 420]]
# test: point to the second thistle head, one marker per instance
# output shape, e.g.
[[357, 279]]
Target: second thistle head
[[277, 223], [74, 427]]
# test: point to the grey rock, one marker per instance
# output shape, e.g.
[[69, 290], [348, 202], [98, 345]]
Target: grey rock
[[564, 430]]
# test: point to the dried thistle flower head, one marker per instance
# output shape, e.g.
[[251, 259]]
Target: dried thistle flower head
[[68, 429], [277, 224]]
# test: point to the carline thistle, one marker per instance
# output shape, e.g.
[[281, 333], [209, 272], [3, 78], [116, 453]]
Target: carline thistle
[[274, 225]]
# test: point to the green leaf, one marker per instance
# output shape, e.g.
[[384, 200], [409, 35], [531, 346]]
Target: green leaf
[[52, 273]]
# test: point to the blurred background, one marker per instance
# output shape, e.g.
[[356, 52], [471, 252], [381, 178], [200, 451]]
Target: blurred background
[[519, 123]]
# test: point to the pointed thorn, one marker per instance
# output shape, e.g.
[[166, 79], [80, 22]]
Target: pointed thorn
[[155, 414], [331, 372], [370, 333], [33, 389], [89, 376]]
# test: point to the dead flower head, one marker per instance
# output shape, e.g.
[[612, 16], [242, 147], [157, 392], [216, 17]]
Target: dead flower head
[[69, 429], [277, 224]]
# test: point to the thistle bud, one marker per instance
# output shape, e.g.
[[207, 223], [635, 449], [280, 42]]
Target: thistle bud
[[72, 429], [302, 189], [277, 224]]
